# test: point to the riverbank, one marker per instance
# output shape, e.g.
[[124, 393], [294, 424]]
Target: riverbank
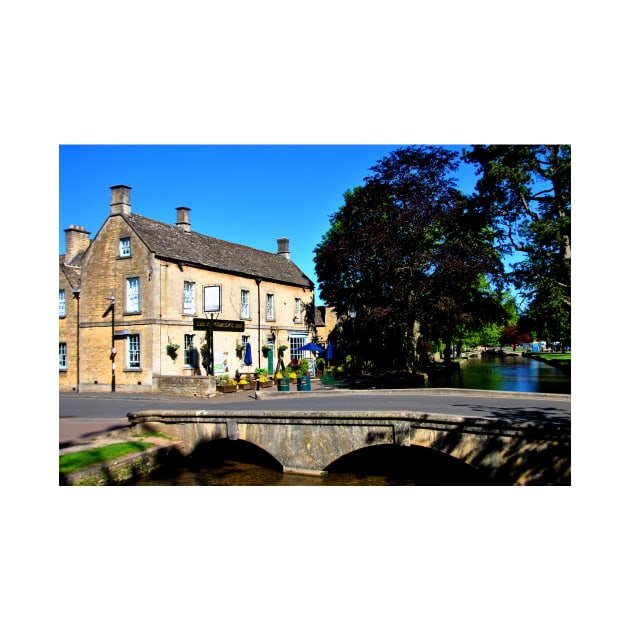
[[562, 361], [124, 469]]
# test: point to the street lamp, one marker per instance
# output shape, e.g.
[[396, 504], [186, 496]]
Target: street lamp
[[77, 296], [258, 281], [113, 299], [109, 309], [352, 314]]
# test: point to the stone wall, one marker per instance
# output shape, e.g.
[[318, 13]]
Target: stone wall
[[185, 385]]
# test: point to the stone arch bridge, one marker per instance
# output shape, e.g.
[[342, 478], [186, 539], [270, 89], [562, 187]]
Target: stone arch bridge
[[516, 452]]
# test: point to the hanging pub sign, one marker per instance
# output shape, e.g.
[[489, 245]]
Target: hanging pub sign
[[231, 325], [212, 298]]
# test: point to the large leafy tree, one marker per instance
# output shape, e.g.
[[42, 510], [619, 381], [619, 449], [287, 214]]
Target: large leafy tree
[[526, 192], [407, 250]]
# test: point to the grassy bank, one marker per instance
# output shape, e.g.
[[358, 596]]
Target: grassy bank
[[557, 359], [70, 462]]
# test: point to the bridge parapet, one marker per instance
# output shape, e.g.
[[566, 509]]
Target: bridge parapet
[[509, 451]]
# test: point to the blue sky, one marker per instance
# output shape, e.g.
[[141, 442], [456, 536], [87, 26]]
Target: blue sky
[[248, 194]]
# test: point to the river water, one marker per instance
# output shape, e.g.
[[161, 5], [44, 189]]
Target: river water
[[228, 463], [511, 373]]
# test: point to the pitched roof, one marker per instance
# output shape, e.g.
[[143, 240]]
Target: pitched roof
[[72, 272], [191, 248]]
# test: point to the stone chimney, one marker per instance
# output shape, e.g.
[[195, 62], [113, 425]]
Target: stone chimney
[[120, 203], [283, 248], [183, 218], [77, 241]]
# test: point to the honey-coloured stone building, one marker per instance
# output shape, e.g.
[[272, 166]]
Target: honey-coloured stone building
[[135, 302]]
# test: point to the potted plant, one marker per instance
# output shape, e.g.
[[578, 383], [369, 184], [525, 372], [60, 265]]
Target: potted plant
[[261, 377], [303, 376], [291, 374], [281, 350], [239, 350], [265, 350], [226, 384], [283, 381], [171, 350], [320, 366], [246, 383]]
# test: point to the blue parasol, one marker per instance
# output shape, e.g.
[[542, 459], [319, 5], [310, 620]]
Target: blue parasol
[[248, 354], [313, 347], [329, 352]]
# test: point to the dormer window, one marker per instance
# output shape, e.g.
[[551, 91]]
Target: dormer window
[[124, 249]]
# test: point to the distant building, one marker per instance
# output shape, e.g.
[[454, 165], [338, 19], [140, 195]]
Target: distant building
[[132, 300]]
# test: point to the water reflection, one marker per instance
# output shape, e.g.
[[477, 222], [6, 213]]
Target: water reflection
[[511, 373], [237, 463]]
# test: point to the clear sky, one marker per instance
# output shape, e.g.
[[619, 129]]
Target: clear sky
[[247, 194]]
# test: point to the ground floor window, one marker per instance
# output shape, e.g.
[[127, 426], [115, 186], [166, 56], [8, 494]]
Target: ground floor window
[[296, 340], [63, 356], [133, 352]]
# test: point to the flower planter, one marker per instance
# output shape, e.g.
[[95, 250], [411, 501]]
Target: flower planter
[[265, 384], [226, 389], [247, 386], [304, 383], [283, 384]]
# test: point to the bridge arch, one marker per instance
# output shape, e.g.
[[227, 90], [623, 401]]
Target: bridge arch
[[408, 465], [216, 451]]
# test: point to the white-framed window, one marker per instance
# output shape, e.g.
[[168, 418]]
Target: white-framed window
[[244, 304], [124, 247], [189, 297], [270, 309], [133, 295], [133, 352], [62, 302], [297, 340], [63, 356], [298, 310]]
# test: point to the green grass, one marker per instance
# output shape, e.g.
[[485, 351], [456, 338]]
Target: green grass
[[551, 356], [75, 461], [560, 360]]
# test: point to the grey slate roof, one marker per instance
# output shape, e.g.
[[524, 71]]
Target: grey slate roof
[[191, 248], [72, 271]]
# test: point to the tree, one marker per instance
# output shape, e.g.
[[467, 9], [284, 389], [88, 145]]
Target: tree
[[408, 251], [526, 192]]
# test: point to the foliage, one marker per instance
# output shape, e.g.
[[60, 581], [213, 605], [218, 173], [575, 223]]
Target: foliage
[[525, 190], [411, 254], [206, 354], [511, 335], [69, 462], [225, 379], [302, 368]]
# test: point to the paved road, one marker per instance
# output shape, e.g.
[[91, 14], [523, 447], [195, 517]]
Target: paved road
[[84, 415]]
